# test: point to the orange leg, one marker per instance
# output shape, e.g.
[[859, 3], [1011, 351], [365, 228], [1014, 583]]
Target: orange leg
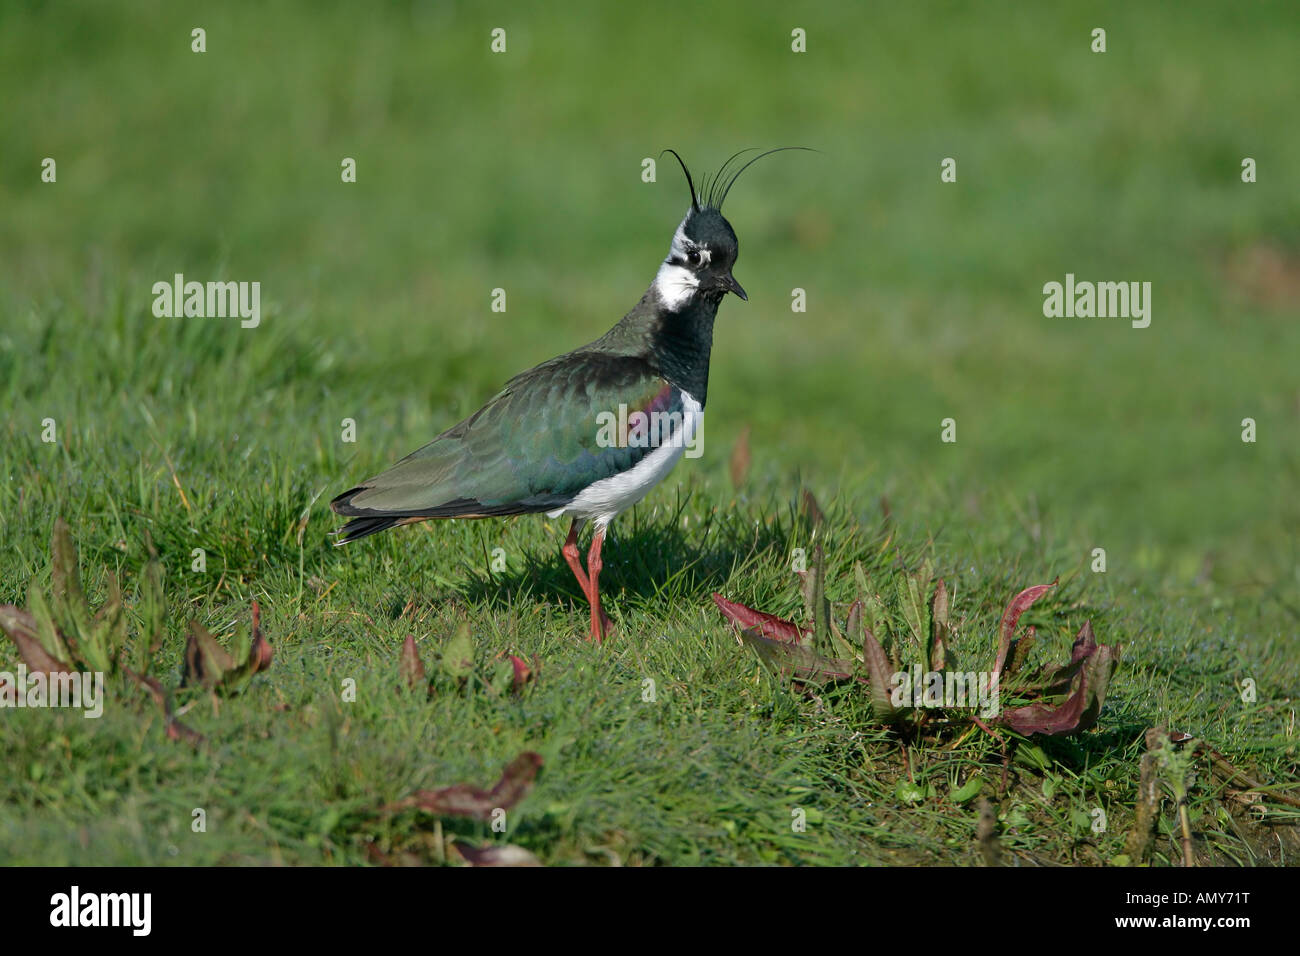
[[594, 565], [600, 622], [570, 552]]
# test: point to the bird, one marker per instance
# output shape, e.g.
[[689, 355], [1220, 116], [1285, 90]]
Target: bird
[[588, 434]]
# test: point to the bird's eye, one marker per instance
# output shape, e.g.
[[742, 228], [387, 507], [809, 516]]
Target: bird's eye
[[693, 257]]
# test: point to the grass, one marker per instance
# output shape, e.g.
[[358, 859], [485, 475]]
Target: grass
[[522, 172]]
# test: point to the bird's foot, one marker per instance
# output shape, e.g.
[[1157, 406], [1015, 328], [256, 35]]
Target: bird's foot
[[603, 630]]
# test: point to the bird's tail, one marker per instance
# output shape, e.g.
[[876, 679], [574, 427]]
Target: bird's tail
[[364, 525]]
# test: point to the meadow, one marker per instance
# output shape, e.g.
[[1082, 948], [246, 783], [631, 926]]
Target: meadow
[[522, 171]]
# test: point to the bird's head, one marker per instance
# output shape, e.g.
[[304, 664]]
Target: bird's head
[[703, 251], [704, 247]]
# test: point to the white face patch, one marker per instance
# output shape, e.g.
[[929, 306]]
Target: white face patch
[[676, 284]]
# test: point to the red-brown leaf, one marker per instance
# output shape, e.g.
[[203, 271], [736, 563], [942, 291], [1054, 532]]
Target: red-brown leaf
[[260, 653], [1094, 664], [411, 668], [522, 673], [1042, 718], [1011, 617], [21, 628], [769, 625], [465, 800]]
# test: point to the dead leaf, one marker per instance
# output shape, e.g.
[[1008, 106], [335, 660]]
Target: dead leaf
[[22, 630], [465, 800], [411, 668], [740, 459], [506, 855]]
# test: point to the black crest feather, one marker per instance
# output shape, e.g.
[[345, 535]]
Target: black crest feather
[[716, 188], [695, 202], [717, 192]]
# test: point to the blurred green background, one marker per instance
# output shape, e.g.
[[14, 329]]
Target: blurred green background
[[522, 171]]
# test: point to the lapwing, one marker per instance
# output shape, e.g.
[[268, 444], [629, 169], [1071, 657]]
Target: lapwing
[[590, 433]]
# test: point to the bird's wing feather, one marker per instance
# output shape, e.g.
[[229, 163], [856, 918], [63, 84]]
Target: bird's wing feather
[[532, 447]]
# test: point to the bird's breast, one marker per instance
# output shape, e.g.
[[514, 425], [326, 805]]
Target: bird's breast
[[605, 499]]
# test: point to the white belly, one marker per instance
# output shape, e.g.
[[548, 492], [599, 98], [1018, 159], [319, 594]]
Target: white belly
[[603, 500]]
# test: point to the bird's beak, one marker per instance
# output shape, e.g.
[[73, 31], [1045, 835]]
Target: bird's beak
[[732, 285]]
